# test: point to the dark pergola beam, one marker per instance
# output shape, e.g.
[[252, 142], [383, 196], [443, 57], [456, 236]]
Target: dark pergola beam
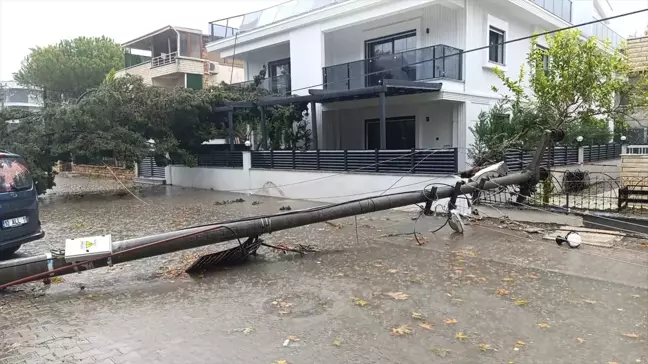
[[313, 115], [264, 128], [383, 122], [230, 122]]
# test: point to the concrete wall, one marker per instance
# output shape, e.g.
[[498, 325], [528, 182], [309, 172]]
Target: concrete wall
[[318, 186]]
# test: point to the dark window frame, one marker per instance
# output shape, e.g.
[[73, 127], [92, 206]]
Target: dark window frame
[[405, 118], [500, 33]]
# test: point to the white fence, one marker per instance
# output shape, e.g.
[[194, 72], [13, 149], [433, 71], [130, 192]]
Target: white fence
[[637, 149]]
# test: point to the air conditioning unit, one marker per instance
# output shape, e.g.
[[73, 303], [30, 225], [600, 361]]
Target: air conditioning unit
[[213, 67]]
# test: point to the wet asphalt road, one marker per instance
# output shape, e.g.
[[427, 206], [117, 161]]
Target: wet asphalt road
[[491, 296]]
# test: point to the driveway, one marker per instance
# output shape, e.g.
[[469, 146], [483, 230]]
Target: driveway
[[370, 294]]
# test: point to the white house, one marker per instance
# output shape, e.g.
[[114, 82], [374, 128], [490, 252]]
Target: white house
[[336, 53]]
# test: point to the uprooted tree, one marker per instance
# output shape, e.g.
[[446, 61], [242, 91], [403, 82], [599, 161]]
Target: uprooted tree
[[573, 83], [119, 119]]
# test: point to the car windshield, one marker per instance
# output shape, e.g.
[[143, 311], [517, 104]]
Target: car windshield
[[14, 176]]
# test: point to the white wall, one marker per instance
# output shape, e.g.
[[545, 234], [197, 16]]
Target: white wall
[[444, 23], [318, 186]]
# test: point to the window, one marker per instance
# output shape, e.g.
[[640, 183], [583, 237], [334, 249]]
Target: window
[[545, 59], [388, 54], [496, 50], [401, 133]]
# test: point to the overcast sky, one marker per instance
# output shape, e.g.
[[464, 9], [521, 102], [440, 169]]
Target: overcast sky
[[29, 23]]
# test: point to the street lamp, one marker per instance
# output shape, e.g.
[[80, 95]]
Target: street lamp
[[623, 139], [579, 139], [247, 144]]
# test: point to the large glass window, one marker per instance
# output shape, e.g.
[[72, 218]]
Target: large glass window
[[388, 54], [401, 133], [14, 175]]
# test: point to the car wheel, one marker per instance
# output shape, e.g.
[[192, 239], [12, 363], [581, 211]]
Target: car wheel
[[8, 253]]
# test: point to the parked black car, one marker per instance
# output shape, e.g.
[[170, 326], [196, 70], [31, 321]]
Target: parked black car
[[19, 219]]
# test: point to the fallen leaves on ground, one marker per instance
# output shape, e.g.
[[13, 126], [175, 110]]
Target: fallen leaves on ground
[[507, 279], [644, 245], [442, 352], [392, 270], [532, 276], [280, 362], [580, 340], [292, 338], [521, 302], [399, 296], [461, 336], [519, 344], [484, 347], [635, 296], [543, 325], [56, 280], [502, 292], [450, 321], [426, 325], [359, 301], [631, 335], [591, 302], [337, 342], [401, 330], [417, 316], [248, 330]]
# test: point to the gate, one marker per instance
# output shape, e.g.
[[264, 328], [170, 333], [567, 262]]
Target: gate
[[147, 168]]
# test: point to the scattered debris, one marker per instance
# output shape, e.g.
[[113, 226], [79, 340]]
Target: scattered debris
[[502, 292], [399, 296], [461, 336], [591, 302], [285, 208], [248, 330], [255, 203], [521, 302], [417, 316], [401, 330], [227, 202], [359, 301], [580, 340], [543, 325], [631, 335], [337, 342], [484, 347], [330, 223], [450, 321], [426, 325]]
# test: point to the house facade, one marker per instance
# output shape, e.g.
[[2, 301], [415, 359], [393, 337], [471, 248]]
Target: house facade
[[175, 56], [14, 96], [395, 74]]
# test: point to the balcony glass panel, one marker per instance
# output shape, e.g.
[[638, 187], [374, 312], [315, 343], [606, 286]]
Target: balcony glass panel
[[436, 62]]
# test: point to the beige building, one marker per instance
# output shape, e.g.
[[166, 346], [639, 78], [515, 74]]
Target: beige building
[[637, 51], [176, 57]]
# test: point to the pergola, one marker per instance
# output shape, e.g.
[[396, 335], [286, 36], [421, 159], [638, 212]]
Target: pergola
[[389, 87]]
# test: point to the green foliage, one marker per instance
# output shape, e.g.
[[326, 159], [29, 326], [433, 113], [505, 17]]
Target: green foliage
[[575, 90], [67, 69], [29, 138]]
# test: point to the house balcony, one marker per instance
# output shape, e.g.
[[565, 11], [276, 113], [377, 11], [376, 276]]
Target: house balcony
[[279, 85], [431, 63], [559, 8]]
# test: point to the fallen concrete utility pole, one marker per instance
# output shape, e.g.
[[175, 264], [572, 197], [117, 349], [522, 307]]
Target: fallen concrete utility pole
[[47, 265]]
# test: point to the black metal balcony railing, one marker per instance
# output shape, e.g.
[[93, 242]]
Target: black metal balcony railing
[[279, 85], [437, 161], [560, 8], [435, 62]]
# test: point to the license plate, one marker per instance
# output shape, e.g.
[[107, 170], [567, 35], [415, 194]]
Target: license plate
[[16, 221]]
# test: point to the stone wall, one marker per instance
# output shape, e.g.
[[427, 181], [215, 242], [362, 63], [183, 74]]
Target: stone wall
[[103, 172]]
